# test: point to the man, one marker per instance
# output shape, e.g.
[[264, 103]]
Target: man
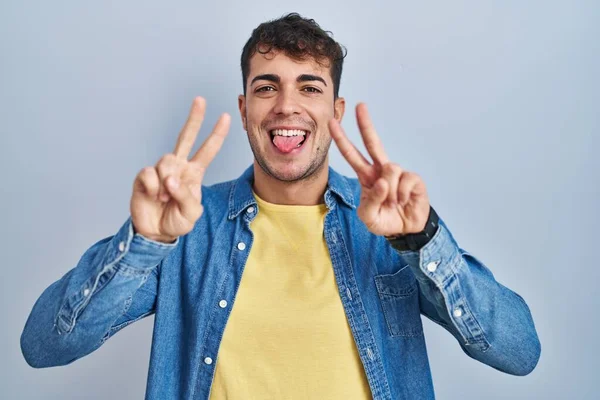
[[292, 281]]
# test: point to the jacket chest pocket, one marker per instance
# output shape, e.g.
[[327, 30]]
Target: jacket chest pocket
[[399, 297]]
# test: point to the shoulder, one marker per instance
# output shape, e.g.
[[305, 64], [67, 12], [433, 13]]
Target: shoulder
[[217, 192], [349, 186]]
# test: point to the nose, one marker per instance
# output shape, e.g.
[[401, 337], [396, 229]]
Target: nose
[[287, 103]]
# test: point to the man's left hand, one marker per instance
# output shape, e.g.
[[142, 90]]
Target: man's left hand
[[393, 201]]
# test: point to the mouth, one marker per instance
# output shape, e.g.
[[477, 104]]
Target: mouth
[[288, 140]]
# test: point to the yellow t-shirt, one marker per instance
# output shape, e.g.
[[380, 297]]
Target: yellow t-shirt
[[287, 336]]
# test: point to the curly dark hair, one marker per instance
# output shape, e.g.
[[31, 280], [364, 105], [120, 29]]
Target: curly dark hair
[[299, 38]]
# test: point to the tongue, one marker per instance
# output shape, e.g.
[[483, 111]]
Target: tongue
[[285, 144]]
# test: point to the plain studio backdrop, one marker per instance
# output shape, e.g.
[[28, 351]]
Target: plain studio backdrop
[[494, 104]]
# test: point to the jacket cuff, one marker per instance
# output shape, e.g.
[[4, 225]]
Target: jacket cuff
[[135, 250], [441, 262]]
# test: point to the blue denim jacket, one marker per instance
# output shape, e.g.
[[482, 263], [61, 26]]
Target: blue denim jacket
[[126, 277]]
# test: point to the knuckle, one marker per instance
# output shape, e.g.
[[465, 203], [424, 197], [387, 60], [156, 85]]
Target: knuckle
[[146, 174], [161, 169], [170, 157], [165, 168], [413, 176], [145, 171], [166, 159], [149, 172], [396, 168], [391, 169], [162, 160]]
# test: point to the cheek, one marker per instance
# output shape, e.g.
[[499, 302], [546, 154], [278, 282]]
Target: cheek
[[322, 118], [254, 119]]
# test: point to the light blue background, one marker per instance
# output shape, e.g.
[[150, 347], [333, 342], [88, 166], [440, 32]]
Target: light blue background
[[494, 104]]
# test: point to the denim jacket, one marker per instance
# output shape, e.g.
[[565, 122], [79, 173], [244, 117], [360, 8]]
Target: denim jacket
[[190, 287]]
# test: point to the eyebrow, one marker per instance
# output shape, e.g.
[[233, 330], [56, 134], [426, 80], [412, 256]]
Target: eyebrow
[[276, 79], [308, 78]]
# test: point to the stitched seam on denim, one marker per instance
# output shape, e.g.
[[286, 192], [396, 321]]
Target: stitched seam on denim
[[143, 242], [416, 331], [71, 318], [128, 270], [232, 213], [440, 322], [479, 337], [337, 259], [350, 314], [474, 338], [214, 310], [122, 325], [78, 308], [382, 387], [404, 292], [95, 288], [382, 294], [126, 306]]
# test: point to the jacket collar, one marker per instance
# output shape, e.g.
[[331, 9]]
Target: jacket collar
[[240, 195]]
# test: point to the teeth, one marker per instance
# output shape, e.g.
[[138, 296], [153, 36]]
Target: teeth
[[285, 132]]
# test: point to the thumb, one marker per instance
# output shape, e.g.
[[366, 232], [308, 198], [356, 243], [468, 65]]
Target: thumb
[[373, 200], [188, 203]]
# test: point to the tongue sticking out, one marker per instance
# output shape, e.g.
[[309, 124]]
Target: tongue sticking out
[[285, 144]]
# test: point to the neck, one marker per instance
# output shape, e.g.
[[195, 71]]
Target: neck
[[305, 192]]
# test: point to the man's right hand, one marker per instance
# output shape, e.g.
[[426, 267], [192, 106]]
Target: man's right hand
[[166, 200]]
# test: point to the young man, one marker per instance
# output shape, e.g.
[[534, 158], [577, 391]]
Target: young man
[[292, 281]]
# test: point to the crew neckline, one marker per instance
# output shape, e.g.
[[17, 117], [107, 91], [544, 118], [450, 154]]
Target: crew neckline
[[288, 207]]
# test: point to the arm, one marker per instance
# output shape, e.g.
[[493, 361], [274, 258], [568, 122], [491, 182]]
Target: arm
[[115, 281], [113, 285], [492, 323], [457, 291]]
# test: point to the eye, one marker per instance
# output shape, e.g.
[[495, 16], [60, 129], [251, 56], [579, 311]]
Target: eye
[[311, 89], [265, 89]]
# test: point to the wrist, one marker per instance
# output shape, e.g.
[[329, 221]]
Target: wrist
[[416, 241], [155, 238], [161, 239]]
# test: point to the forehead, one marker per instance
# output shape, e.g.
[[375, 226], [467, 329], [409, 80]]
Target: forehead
[[279, 63]]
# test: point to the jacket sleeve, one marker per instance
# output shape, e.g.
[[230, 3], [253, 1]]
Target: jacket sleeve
[[113, 285], [492, 323]]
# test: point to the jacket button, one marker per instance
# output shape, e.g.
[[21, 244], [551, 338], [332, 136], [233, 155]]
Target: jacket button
[[241, 245], [432, 266], [223, 303], [122, 247], [208, 360], [250, 210], [457, 312]]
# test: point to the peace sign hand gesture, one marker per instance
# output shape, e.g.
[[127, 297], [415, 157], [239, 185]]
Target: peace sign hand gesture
[[166, 200], [393, 201]]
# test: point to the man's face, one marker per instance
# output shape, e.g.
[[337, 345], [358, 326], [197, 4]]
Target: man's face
[[287, 107]]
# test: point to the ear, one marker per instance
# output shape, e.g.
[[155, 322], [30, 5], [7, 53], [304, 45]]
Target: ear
[[242, 107], [339, 106]]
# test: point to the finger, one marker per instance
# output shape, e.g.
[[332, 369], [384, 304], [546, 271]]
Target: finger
[[188, 133], [149, 182], [189, 206], [370, 138], [371, 203], [391, 173], [211, 146], [410, 184], [357, 161], [166, 167]]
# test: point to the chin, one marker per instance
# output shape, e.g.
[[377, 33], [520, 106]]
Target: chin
[[291, 171], [287, 173]]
